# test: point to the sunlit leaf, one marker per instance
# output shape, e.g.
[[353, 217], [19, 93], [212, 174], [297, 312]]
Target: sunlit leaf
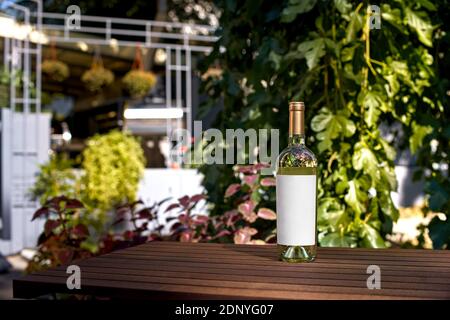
[[267, 214], [232, 189], [371, 237], [419, 132], [296, 7], [419, 22], [312, 50], [356, 196]]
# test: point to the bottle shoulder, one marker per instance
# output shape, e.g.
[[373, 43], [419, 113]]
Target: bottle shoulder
[[297, 156]]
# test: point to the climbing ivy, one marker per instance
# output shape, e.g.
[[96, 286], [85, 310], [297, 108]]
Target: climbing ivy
[[367, 91]]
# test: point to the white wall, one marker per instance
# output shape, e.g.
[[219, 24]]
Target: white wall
[[159, 184], [409, 192], [25, 144]]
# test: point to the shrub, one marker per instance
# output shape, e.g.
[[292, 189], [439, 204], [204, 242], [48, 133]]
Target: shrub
[[55, 178], [60, 242], [113, 165]]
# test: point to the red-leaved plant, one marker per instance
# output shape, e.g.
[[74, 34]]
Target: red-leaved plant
[[251, 200], [60, 243], [250, 220]]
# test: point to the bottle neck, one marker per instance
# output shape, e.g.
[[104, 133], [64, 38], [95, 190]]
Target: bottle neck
[[297, 139], [296, 127]]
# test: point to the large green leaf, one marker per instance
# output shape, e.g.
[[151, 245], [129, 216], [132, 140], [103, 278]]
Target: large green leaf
[[401, 70], [393, 16], [355, 196], [312, 50], [427, 4], [364, 159], [371, 237], [388, 149], [329, 212], [342, 180], [372, 103], [354, 26], [348, 53], [330, 126], [387, 175], [335, 239], [296, 7], [386, 205], [343, 6], [419, 132], [419, 22]]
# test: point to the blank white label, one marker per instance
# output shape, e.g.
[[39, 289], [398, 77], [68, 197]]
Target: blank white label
[[296, 210]]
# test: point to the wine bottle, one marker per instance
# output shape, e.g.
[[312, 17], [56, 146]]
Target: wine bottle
[[296, 192]]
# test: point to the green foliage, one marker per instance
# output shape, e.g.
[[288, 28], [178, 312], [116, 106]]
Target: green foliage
[[5, 81], [55, 178], [139, 82], [67, 234], [63, 234], [55, 69], [97, 77], [113, 165], [353, 79]]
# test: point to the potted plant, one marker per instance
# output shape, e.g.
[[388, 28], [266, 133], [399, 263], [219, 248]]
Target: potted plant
[[53, 68], [97, 77], [137, 81]]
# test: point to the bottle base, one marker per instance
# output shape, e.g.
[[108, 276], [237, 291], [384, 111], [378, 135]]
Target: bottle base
[[296, 254]]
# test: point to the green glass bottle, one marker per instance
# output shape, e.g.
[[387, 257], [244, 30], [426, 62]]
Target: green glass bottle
[[296, 177]]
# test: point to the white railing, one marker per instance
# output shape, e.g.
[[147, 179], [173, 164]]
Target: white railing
[[153, 34]]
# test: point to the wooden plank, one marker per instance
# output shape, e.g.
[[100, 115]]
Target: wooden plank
[[266, 248], [232, 288], [269, 276], [271, 247], [319, 263], [319, 270], [419, 276], [187, 270], [146, 276], [238, 256], [38, 285]]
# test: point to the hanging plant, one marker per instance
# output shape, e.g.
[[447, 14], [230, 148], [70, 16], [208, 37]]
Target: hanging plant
[[97, 77], [56, 70], [53, 68], [137, 81]]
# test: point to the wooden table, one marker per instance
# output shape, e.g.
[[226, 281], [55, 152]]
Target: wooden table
[[172, 270]]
